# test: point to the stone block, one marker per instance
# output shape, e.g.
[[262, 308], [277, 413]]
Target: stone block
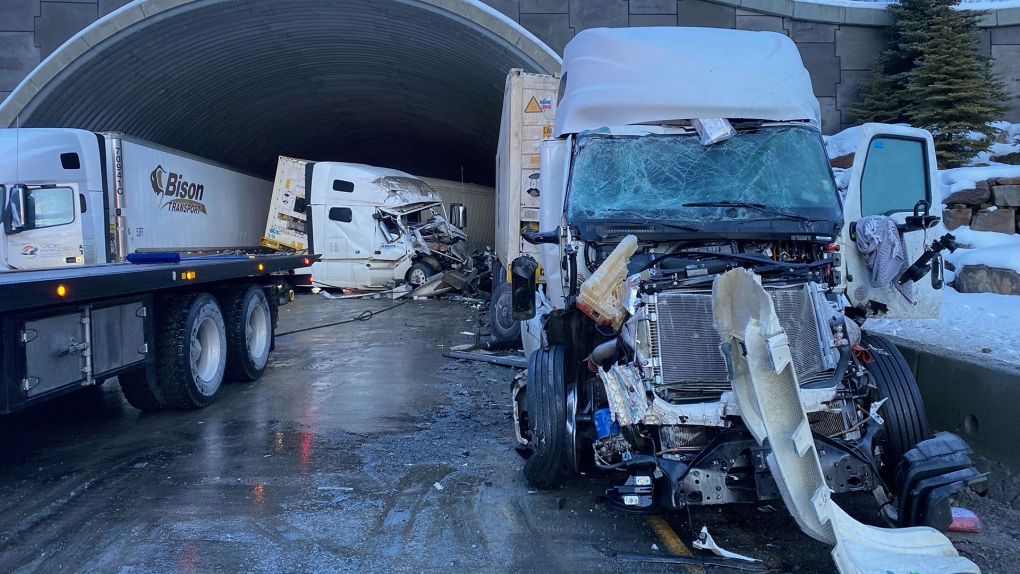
[[509, 8], [956, 216], [984, 45], [706, 14], [823, 65], [984, 279], [107, 6], [848, 90], [826, 13], [1006, 195], [640, 20], [862, 14], [778, 7], [759, 23], [973, 197], [859, 47], [553, 29], [18, 56], [1007, 65], [1005, 35], [1008, 181], [1002, 220], [18, 15], [1007, 16], [653, 6], [545, 6], [586, 14], [58, 21], [830, 115], [801, 31]]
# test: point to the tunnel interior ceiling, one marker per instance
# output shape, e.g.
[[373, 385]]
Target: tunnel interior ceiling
[[391, 83]]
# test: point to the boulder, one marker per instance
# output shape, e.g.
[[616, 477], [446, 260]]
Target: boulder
[[843, 161], [1002, 220], [956, 216], [984, 279], [980, 194], [1008, 181], [1006, 195]]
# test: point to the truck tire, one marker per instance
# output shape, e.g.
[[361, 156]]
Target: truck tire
[[191, 350], [249, 323], [419, 273], [906, 422], [549, 465], [501, 320], [135, 386]]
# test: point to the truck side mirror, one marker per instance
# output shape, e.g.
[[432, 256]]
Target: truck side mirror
[[522, 280], [458, 215], [14, 210], [533, 238]]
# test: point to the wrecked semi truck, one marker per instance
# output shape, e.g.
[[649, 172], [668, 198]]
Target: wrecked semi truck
[[680, 154], [374, 226], [77, 208]]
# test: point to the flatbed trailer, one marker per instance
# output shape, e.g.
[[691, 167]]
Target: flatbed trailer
[[170, 332]]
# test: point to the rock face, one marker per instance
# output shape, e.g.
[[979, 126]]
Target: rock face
[[843, 161], [983, 279], [1007, 195], [1002, 220], [980, 194], [956, 216]]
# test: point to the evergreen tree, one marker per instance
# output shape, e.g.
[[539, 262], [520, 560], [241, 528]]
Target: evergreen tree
[[932, 77]]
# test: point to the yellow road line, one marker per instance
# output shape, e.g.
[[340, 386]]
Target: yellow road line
[[672, 542]]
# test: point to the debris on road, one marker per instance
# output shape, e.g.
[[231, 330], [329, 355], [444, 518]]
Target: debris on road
[[516, 362], [965, 521], [705, 542]]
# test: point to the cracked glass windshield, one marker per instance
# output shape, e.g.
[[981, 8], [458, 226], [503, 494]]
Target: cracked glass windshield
[[651, 177]]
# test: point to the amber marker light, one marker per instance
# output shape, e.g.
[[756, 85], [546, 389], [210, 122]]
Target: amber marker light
[[307, 262], [261, 267], [188, 275], [61, 290]]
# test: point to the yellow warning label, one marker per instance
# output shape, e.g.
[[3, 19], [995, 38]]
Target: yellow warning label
[[287, 185], [113, 229], [546, 131], [533, 107], [535, 159]]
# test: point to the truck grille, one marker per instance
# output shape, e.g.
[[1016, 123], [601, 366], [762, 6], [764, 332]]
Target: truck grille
[[685, 340]]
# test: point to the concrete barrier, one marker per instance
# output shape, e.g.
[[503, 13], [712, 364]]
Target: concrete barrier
[[979, 401]]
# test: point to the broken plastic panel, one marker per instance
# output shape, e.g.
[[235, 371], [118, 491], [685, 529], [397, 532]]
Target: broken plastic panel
[[714, 130], [650, 177]]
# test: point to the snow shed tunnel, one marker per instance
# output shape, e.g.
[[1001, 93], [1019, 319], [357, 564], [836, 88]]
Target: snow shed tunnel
[[415, 85]]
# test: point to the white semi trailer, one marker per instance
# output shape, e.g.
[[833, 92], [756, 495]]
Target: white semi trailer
[[77, 206]]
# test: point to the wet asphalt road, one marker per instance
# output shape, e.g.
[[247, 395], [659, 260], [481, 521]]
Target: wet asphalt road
[[363, 449]]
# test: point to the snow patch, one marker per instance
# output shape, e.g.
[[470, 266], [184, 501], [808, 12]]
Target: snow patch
[[954, 180]]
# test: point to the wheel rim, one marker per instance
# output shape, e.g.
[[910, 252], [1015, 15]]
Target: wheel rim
[[418, 277], [205, 356], [504, 311], [256, 333]]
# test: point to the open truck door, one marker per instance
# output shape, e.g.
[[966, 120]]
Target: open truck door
[[894, 174], [43, 226]]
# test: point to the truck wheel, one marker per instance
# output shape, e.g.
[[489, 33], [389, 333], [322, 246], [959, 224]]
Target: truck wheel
[[501, 320], [192, 352], [906, 422], [249, 323], [550, 464], [419, 273], [135, 386]]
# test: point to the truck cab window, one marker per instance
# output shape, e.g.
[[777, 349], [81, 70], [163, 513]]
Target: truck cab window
[[342, 185], [70, 161], [391, 225], [895, 176], [48, 207], [341, 214]]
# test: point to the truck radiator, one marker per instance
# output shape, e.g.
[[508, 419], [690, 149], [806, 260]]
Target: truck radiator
[[684, 339]]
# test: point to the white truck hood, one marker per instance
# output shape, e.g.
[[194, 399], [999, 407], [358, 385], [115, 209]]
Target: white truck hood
[[623, 76]]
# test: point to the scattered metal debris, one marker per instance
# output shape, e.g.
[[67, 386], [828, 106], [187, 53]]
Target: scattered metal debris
[[516, 362], [705, 542]]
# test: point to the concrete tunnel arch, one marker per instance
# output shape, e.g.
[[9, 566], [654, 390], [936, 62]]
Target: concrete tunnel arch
[[415, 85]]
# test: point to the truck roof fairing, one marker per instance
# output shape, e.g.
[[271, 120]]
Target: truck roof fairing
[[375, 186], [624, 76]]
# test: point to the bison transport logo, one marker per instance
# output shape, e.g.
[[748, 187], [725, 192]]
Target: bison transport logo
[[177, 194]]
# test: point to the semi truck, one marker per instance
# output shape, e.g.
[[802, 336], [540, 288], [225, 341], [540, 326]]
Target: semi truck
[[373, 226], [122, 258], [678, 154]]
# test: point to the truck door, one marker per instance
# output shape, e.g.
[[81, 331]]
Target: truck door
[[893, 174], [43, 226]]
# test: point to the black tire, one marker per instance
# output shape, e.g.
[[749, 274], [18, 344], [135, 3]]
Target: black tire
[[501, 320], [906, 422], [418, 273], [191, 323], [248, 318], [135, 386], [549, 466]]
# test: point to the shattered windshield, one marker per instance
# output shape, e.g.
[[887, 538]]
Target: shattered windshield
[[651, 177]]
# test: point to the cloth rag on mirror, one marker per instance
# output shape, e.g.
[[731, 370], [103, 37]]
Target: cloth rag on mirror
[[878, 240]]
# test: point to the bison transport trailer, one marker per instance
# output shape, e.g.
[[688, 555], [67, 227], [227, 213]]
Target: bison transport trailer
[[191, 309]]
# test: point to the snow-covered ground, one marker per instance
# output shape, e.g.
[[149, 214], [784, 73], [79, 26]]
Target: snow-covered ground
[[978, 325], [969, 324]]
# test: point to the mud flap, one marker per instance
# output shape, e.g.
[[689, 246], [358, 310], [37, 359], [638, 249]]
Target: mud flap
[[766, 385], [928, 475]]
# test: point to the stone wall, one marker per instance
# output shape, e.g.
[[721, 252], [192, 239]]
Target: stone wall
[[991, 205], [838, 43]]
